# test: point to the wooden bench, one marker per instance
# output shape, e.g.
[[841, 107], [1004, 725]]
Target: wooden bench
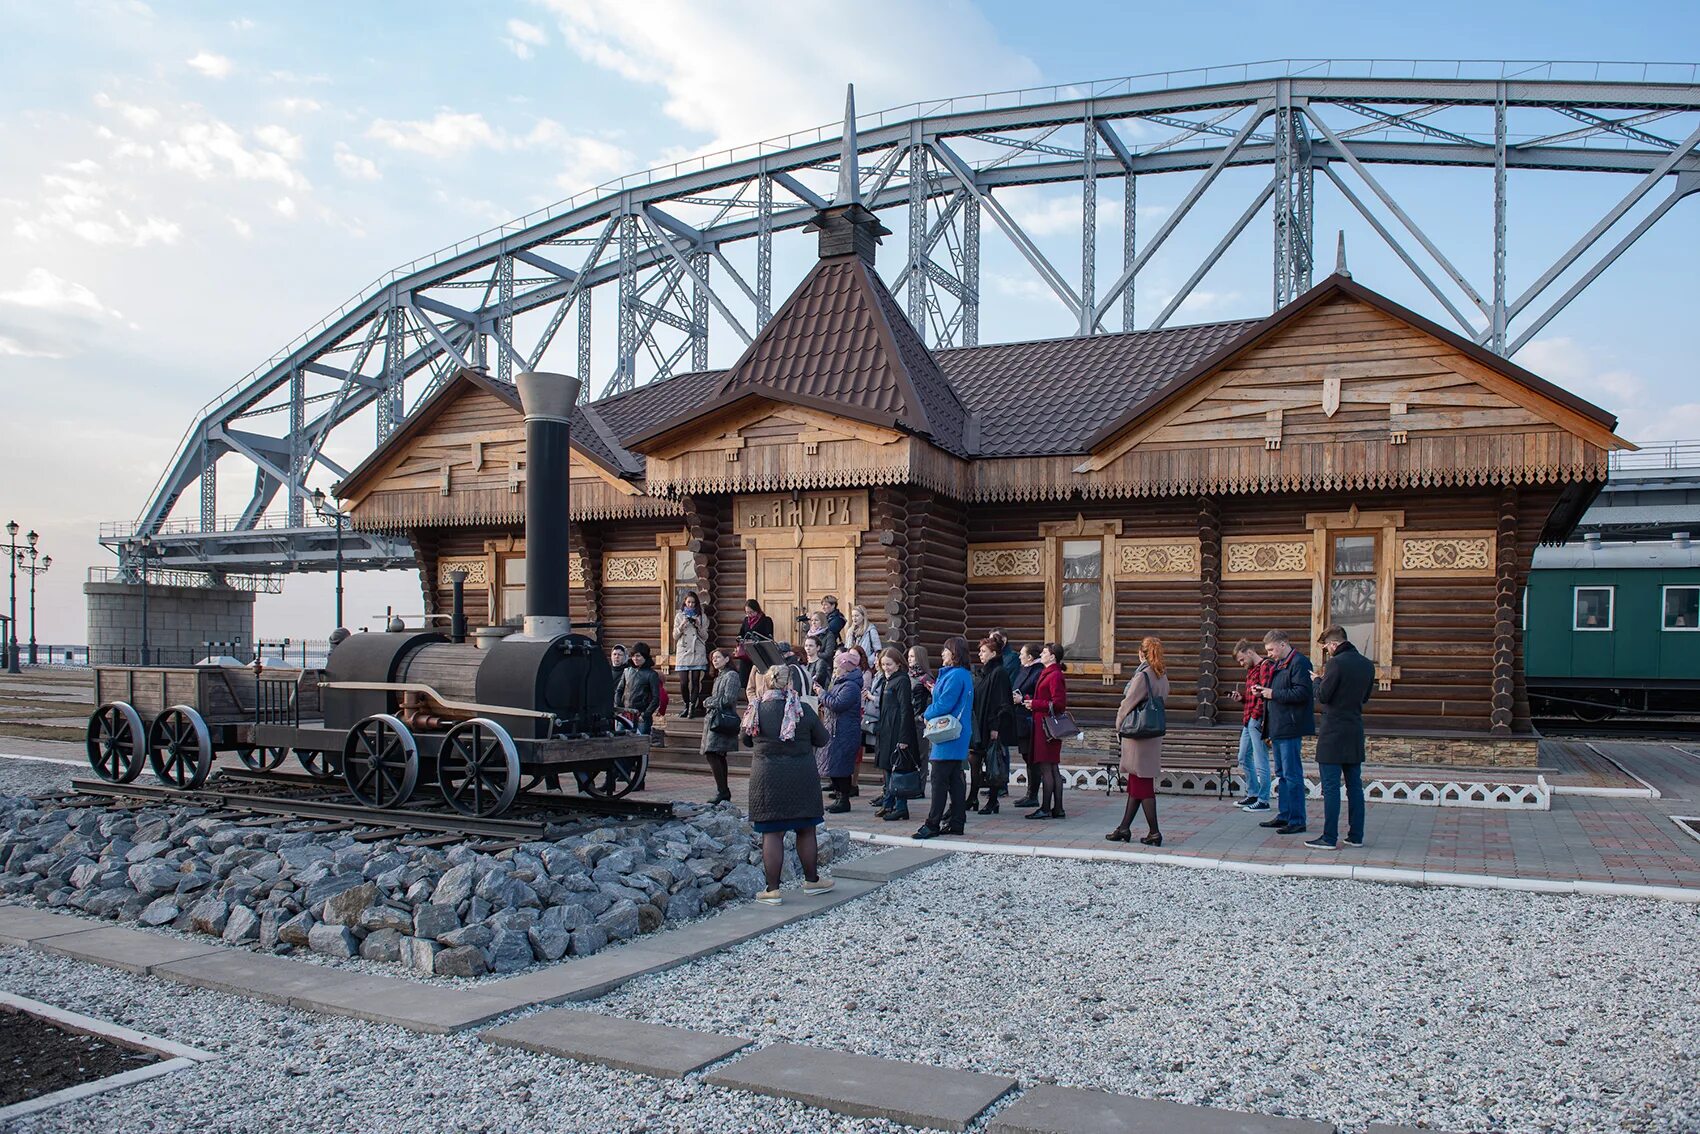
[[1183, 753]]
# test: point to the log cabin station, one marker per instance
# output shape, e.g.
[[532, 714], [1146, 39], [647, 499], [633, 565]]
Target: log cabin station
[[1344, 460]]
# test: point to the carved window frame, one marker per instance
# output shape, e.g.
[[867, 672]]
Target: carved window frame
[[1385, 526], [667, 546], [1055, 534]]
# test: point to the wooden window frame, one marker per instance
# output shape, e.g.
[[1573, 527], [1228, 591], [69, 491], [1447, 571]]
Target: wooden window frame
[[1663, 590], [1611, 608], [1106, 531], [1325, 526], [667, 546]]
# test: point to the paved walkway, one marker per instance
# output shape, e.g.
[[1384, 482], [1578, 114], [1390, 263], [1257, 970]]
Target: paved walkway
[[1624, 840]]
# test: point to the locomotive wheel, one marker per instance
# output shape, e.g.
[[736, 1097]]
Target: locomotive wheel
[[262, 759], [117, 742], [616, 778], [380, 762], [180, 748], [478, 768], [320, 765]]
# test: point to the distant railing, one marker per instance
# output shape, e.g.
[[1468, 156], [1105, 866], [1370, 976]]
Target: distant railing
[[1659, 455], [124, 529], [171, 577]]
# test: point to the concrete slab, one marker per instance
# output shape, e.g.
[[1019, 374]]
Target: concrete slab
[[19, 925], [580, 979], [1383, 1128], [865, 1086], [886, 865], [133, 950], [402, 1003], [1071, 1110], [246, 973], [633, 1045]]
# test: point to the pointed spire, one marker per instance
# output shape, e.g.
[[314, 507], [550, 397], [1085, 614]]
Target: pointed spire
[[1340, 268], [849, 175]]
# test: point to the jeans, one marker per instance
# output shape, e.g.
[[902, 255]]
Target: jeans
[[1289, 765], [948, 789], [1354, 775], [1254, 760]]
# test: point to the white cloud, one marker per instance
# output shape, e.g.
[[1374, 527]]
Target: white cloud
[[242, 25], [523, 38], [212, 148], [210, 65], [12, 348], [284, 207], [744, 70], [1644, 413], [280, 141], [44, 291], [242, 227], [448, 134], [299, 105], [354, 167], [81, 204]]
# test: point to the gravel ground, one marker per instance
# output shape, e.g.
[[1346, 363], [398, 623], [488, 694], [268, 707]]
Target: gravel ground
[[1461, 1009], [28, 777], [285, 1070]]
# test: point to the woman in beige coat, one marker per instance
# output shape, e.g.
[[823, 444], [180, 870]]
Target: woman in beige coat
[[1142, 760]]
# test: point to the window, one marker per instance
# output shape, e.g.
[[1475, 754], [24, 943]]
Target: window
[[1352, 590], [1593, 608], [1081, 632], [1682, 608], [513, 590]]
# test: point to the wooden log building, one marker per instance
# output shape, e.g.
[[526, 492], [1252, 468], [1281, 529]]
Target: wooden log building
[[1344, 460]]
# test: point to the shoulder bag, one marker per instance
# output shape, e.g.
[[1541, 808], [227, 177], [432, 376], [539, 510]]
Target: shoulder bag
[[906, 776], [725, 722], [942, 730], [1145, 720], [1059, 726]]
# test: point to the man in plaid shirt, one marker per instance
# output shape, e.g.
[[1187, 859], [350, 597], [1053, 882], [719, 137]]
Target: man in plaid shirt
[[1254, 746]]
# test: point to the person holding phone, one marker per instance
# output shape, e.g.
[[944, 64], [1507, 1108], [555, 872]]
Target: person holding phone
[[690, 653]]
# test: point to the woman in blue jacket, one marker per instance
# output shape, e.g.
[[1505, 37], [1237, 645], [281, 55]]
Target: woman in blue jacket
[[953, 696]]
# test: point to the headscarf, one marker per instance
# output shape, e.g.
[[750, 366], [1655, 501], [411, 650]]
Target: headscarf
[[788, 719]]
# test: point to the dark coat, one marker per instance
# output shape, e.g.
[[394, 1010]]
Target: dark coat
[[896, 722], [641, 690], [727, 689], [1026, 680], [1011, 662], [1291, 709], [1345, 688], [820, 672], [844, 701], [784, 785], [754, 629], [993, 706]]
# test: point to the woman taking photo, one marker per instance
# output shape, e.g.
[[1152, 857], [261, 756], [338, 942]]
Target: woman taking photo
[[841, 712], [994, 708], [784, 793], [690, 653], [722, 699], [1026, 680], [1050, 696], [1142, 759], [953, 698], [897, 737], [757, 627]]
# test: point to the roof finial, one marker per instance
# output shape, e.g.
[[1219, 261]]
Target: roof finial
[[849, 176], [1340, 268]]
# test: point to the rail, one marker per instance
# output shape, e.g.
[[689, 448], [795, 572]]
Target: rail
[[1659, 455], [124, 529], [173, 577]]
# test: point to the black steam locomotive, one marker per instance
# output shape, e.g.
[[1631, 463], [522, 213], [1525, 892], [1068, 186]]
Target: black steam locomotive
[[391, 709]]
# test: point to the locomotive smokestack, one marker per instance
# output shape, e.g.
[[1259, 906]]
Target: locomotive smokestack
[[548, 401]]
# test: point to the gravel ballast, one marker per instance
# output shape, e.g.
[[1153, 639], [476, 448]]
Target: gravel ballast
[[1347, 1002]]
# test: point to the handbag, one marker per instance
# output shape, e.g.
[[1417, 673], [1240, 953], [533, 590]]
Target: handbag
[[907, 782], [725, 722], [942, 730], [1146, 720], [1060, 726], [997, 762]]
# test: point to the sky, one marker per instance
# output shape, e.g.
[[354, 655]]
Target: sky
[[186, 187]]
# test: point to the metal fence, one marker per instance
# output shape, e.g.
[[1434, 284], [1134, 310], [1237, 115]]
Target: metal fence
[[1659, 455], [171, 577], [309, 653]]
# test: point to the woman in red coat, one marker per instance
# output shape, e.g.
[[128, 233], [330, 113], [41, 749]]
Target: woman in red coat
[[1050, 695]]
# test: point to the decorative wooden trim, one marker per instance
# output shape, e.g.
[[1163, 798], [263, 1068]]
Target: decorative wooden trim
[[1079, 528], [1267, 557], [1502, 715], [477, 572], [1157, 560], [1209, 596], [1445, 555], [991, 563], [631, 569], [808, 537], [811, 511], [1352, 518]]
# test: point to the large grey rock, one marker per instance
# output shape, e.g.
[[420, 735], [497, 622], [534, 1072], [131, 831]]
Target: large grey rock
[[160, 911], [464, 961], [455, 887], [332, 885], [385, 917], [210, 915], [345, 908], [747, 880], [420, 955], [153, 877], [590, 939], [299, 858], [332, 940], [620, 920], [549, 940], [477, 935], [382, 945], [650, 918], [142, 852], [297, 929], [242, 927], [510, 951], [271, 925], [432, 921]]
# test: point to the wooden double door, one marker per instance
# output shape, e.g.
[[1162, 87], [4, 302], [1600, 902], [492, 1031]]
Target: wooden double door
[[792, 580]]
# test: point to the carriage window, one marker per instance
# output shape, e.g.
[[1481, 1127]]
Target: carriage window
[[1682, 608], [1593, 608], [1081, 633], [1352, 590], [513, 590]]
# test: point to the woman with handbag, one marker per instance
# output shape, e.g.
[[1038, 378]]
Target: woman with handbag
[[950, 721], [897, 738], [841, 712], [720, 722], [690, 653], [784, 793], [1026, 680], [994, 708], [1141, 722], [1051, 722], [757, 627]]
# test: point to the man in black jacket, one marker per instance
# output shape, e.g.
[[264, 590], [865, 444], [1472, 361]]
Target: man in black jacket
[[1347, 682], [1291, 718]]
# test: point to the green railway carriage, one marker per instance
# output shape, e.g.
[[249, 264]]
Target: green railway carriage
[[1613, 628]]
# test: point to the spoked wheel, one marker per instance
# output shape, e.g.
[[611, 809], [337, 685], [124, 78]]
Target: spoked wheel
[[616, 778], [321, 765], [380, 762], [478, 768], [262, 759], [180, 748], [117, 742]]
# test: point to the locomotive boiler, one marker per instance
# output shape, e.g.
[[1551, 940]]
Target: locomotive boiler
[[399, 710]]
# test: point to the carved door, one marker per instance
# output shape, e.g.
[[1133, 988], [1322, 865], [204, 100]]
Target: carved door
[[778, 574], [792, 581]]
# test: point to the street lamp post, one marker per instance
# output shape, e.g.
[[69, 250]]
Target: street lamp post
[[139, 549], [33, 568], [331, 513], [12, 625]]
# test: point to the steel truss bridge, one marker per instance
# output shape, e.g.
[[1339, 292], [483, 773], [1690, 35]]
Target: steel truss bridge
[[668, 245]]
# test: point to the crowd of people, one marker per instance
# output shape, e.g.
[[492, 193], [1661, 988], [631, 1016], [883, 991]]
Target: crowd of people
[[811, 718]]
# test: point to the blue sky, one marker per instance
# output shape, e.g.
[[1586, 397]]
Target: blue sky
[[188, 186]]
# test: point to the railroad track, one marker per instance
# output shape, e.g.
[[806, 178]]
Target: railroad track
[[265, 799]]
